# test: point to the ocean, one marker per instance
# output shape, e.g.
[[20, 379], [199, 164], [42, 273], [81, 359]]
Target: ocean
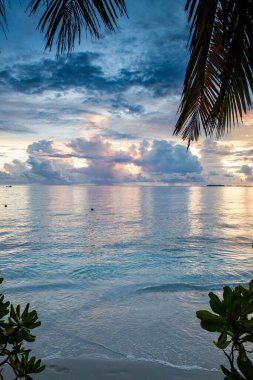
[[126, 278]]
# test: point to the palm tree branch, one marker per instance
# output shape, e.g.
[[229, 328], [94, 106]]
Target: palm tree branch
[[236, 73], [64, 20], [218, 82], [3, 21], [199, 70]]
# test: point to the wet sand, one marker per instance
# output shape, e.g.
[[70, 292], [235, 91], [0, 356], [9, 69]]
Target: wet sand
[[105, 369]]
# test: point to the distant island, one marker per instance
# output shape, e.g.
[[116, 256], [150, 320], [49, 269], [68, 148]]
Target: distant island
[[228, 185]]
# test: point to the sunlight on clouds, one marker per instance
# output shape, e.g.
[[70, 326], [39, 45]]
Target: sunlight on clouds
[[100, 160], [79, 162], [238, 168], [196, 151], [61, 147], [243, 134], [91, 125], [248, 119], [231, 164], [133, 169], [97, 119], [10, 153]]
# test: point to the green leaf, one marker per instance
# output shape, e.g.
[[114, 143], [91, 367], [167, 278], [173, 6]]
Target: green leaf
[[245, 365], [227, 296], [247, 338], [231, 375], [236, 308], [27, 336], [14, 331], [222, 342], [211, 322], [245, 325], [25, 312], [251, 286], [247, 308], [216, 304], [225, 371], [11, 330], [12, 312]]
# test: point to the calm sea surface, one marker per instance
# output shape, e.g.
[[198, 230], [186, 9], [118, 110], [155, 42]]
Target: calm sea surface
[[126, 279]]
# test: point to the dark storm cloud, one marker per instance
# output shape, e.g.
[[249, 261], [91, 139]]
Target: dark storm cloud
[[161, 77], [75, 71], [84, 71]]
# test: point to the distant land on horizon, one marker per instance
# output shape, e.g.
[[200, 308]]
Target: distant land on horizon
[[155, 184]]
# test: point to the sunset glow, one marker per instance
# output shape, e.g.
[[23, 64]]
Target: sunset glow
[[111, 118]]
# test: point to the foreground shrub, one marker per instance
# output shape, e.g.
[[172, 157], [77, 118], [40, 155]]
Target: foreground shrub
[[232, 319], [15, 326]]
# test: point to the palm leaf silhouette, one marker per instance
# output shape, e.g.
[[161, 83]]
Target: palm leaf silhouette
[[3, 22], [218, 82], [65, 19]]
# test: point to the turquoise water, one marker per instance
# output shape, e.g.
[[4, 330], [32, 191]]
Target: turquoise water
[[126, 279]]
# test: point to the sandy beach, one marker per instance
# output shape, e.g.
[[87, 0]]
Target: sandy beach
[[105, 369]]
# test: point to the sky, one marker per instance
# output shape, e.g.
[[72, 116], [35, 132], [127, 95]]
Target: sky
[[105, 113]]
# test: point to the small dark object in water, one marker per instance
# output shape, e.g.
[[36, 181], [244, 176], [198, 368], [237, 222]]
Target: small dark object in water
[[5, 205], [92, 209]]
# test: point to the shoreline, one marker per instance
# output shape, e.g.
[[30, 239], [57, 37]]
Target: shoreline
[[118, 369]]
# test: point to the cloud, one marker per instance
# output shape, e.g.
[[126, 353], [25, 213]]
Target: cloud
[[84, 71], [98, 160], [247, 171], [132, 77], [47, 171], [65, 92], [119, 105], [41, 148], [14, 129], [157, 66], [209, 147], [162, 157], [75, 71], [15, 172], [109, 133]]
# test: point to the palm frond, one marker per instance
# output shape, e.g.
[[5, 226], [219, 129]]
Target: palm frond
[[218, 83], [66, 19], [3, 22]]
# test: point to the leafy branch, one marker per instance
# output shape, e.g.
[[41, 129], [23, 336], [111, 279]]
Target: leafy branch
[[15, 330], [232, 319]]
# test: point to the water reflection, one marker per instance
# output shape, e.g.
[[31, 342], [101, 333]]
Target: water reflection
[[236, 214], [69, 260], [195, 207]]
